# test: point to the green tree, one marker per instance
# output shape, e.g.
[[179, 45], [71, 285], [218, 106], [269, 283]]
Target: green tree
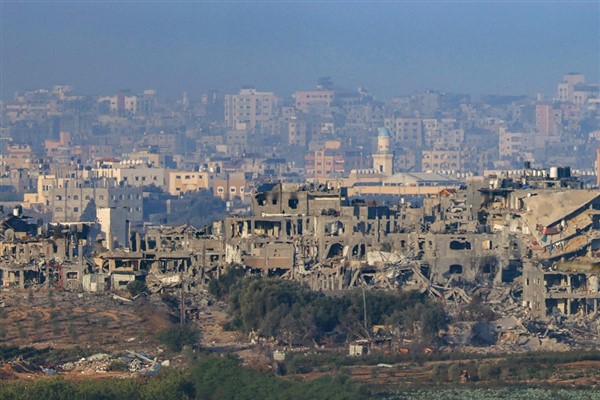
[[178, 336]]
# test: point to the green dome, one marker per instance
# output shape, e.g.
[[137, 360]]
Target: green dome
[[383, 132]]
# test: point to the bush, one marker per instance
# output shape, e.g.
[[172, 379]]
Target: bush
[[439, 373], [220, 287], [488, 372], [178, 336]]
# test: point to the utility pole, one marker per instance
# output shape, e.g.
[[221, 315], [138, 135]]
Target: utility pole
[[181, 301], [365, 311]]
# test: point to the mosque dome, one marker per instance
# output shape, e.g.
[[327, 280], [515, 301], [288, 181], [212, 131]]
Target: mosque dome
[[383, 132]]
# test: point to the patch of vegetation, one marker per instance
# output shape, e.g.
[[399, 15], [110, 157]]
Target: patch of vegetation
[[178, 336], [220, 287], [295, 314], [211, 378]]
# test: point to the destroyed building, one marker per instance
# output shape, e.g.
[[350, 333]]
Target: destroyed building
[[535, 230], [32, 254]]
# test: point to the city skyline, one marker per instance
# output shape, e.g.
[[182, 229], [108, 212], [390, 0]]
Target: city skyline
[[391, 48]]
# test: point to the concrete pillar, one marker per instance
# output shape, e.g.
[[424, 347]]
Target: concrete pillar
[[595, 306], [568, 307], [80, 254], [22, 279]]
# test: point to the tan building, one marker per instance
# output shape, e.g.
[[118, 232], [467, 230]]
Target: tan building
[[121, 103], [408, 131], [514, 144], [133, 173], [73, 200], [250, 109], [566, 89], [438, 160], [180, 182], [231, 185], [548, 121], [297, 132], [17, 156], [305, 99]]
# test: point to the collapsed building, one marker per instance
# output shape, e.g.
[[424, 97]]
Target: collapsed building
[[32, 254], [539, 233]]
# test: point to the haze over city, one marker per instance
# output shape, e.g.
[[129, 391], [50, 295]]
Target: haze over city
[[308, 200], [391, 48]]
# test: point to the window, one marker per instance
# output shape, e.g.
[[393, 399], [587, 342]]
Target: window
[[220, 189], [58, 197], [75, 209], [232, 189], [76, 197]]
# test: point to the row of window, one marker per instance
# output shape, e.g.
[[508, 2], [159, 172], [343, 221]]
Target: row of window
[[101, 197], [232, 189], [76, 209]]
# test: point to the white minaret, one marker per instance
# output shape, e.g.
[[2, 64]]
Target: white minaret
[[383, 159]]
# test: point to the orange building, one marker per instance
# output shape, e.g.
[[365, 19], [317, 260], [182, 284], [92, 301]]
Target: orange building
[[325, 161]]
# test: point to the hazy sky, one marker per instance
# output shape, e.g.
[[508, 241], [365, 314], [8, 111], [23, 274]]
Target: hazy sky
[[393, 48]]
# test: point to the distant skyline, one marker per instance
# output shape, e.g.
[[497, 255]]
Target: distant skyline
[[393, 48]]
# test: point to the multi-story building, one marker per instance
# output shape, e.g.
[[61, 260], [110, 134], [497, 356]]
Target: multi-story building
[[17, 156], [180, 182], [325, 161], [121, 103], [514, 144], [297, 132], [566, 88], [228, 186], [132, 173], [406, 131], [436, 160], [304, 100], [548, 120], [250, 109], [74, 200]]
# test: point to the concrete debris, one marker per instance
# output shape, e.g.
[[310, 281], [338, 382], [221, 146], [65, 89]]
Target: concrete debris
[[500, 243], [139, 363]]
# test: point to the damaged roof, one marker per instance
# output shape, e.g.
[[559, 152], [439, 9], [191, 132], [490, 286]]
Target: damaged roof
[[550, 207]]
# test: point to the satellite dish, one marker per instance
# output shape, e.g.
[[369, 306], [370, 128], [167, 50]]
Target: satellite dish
[[9, 234]]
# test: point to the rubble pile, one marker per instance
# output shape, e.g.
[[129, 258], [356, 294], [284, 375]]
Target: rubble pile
[[139, 363]]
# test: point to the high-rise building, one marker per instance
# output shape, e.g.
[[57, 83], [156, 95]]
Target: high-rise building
[[250, 109]]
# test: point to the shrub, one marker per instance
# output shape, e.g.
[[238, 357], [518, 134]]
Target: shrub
[[178, 336]]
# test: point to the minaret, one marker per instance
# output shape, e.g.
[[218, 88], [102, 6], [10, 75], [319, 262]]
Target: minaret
[[383, 159]]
